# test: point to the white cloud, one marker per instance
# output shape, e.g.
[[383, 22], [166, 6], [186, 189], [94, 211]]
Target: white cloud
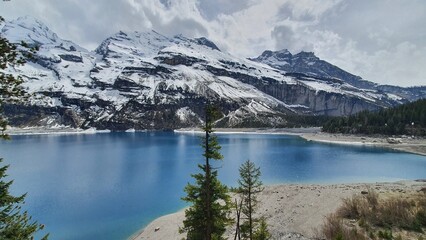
[[382, 41]]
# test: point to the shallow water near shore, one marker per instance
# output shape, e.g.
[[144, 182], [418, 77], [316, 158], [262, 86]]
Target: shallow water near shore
[[108, 186]]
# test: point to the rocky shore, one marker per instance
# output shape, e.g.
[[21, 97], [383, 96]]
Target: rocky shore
[[292, 211]]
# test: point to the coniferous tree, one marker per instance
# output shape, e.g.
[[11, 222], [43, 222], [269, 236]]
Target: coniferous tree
[[262, 233], [249, 186], [403, 119], [14, 224], [208, 216]]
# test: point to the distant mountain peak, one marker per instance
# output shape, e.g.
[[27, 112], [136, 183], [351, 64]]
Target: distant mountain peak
[[275, 59], [30, 30], [276, 54], [29, 21], [138, 42], [306, 55], [206, 42], [147, 43], [307, 63], [283, 51], [34, 32]]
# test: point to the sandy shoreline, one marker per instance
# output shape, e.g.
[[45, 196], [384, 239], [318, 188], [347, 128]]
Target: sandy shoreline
[[416, 145], [405, 144], [293, 211]]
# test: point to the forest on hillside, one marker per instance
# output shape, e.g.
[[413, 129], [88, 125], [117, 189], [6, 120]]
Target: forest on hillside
[[406, 119]]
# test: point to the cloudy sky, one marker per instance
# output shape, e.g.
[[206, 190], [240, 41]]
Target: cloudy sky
[[382, 40]]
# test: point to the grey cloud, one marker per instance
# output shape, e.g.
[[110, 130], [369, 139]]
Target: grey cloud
[[166, 3], [89, 22], [283, 37], [286, 11], [286, 38], [178, 25], [186, 27], [377, 24], [212, 9]]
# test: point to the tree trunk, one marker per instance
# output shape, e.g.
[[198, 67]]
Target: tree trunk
[[208, 193], [237, 229], [250, 218]]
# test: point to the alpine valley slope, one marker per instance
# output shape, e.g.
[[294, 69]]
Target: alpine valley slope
[[144, 80]]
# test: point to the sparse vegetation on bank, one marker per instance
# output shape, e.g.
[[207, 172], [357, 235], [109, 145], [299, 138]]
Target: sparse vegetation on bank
[[374, 216]]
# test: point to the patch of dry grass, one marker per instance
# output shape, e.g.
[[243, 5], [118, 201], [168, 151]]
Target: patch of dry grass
[[370, 216], [336, 228]]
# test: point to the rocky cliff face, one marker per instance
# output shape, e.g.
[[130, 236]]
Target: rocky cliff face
[[144, 80], [307, 64]]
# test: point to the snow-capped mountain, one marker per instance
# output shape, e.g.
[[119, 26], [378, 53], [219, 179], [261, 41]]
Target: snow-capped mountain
[[145, 80], [308, 64]]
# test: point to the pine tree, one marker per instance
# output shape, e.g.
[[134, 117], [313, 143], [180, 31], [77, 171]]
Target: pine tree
[[249, 186], [408, 118], [208, 216], [262, 233], [14, 224]]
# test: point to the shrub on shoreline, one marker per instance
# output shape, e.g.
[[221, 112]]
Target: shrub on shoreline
[[377, 217]]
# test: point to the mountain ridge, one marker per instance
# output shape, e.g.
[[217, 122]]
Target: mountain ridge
[[145, 80], [311, 65]]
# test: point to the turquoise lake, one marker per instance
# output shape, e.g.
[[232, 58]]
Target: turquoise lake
[[108, 186]]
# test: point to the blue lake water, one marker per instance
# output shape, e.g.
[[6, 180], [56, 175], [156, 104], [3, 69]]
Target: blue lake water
[[107, 186]]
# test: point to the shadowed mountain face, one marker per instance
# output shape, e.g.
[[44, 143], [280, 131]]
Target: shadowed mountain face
[[144, 80]]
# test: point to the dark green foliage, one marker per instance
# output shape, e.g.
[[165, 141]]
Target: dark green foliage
[[208, 216], [387, 234], [12, 55], [14, 223], [10, 86], [262, 232], [421, 217], [408, 119], [197, 220], [371, 235], [298, 121], [249, 186]]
